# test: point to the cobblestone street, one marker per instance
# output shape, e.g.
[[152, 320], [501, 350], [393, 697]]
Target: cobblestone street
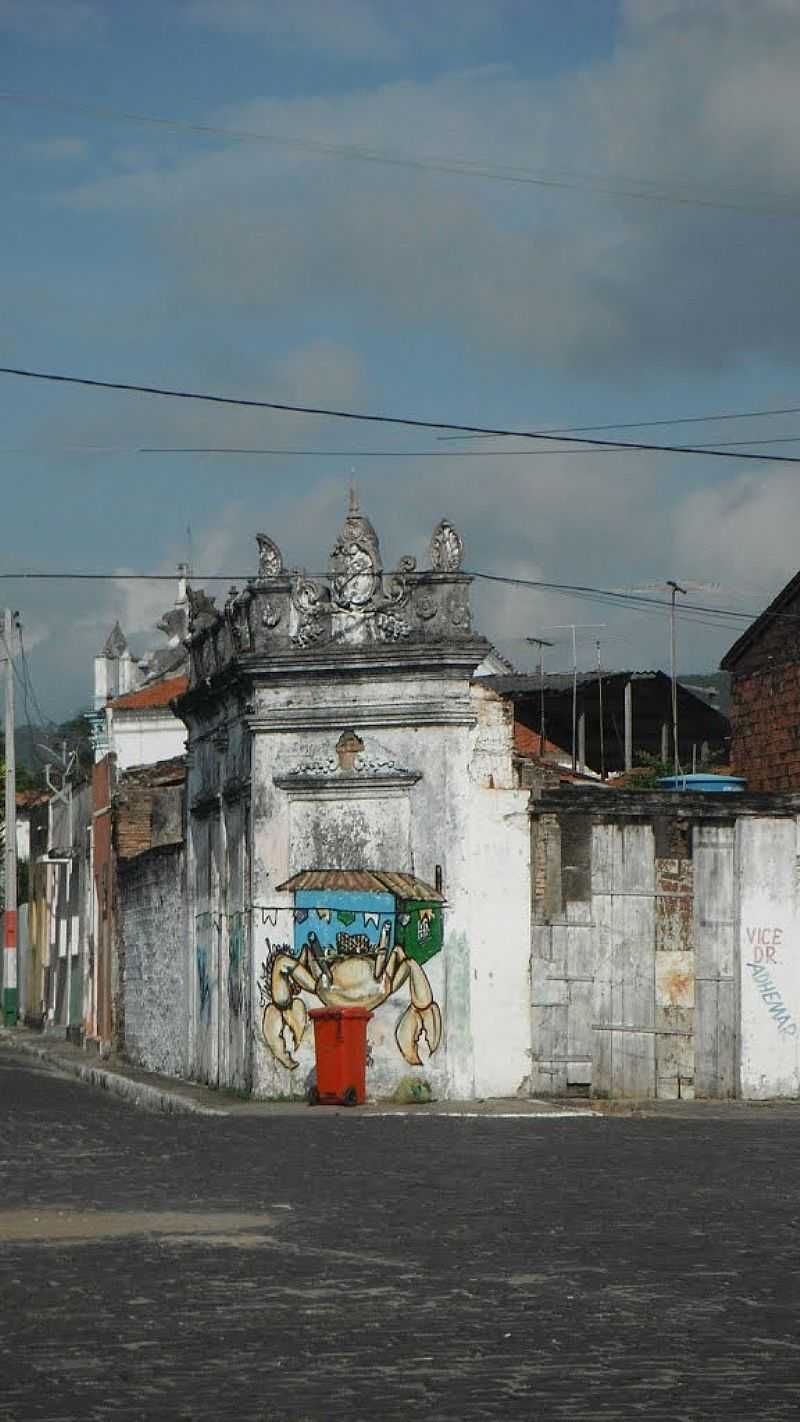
[[327, 1266]]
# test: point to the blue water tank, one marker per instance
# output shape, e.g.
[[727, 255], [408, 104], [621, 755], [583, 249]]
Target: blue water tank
[[703, 782]]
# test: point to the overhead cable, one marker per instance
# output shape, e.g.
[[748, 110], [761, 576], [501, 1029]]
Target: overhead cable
[[638, 601], [637, 189], [336, 414]]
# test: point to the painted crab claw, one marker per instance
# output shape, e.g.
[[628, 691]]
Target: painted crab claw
[[415, 1023], [283, 1029]]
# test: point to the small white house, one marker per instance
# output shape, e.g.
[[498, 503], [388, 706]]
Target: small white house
[[141, 726], [132, 718]]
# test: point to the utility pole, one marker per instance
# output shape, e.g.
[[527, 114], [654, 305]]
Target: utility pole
[[10, 915], [675, 588], [573, 627], [600, 704], [541, 643]]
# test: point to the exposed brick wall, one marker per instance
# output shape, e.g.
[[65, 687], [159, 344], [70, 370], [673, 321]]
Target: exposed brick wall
[[147, 817], [765, 712], [151, 940]]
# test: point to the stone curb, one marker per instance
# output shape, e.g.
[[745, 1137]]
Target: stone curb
[[139, 1093]]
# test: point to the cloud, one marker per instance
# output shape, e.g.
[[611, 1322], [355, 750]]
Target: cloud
[[348, 28], [328, 366], [690, 105], [59, 150], [354, 30], [558, 519], [51, 21], [742, 533]]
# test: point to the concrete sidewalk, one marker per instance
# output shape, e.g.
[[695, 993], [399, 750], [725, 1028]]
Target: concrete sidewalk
[[173, 1096], [168, 1094]]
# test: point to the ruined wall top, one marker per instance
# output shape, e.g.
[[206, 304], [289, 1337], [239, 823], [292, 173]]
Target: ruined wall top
[[281, 612]]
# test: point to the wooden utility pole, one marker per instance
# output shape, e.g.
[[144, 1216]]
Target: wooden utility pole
[[10, 915]]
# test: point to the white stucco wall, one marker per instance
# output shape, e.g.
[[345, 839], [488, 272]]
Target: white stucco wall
[[769, 956], [142, 738], [462, 814]]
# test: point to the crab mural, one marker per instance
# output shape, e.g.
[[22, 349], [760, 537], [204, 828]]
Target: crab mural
[[359, 937]]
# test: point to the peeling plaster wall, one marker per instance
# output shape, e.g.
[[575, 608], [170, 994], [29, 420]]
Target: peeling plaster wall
[[151, 929], [449, 817], [769, 957], [666, 952], [218, 962], [461, 813]]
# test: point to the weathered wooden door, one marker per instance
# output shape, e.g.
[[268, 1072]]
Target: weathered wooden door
[[713, 932], [624, 1028], [562, 961]]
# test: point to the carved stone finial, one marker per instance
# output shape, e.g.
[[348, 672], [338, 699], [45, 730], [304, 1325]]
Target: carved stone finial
[[447, 548], [270, 558], [355, 564]]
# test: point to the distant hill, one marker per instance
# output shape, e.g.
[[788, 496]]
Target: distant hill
[[718, 682], [29, 741]]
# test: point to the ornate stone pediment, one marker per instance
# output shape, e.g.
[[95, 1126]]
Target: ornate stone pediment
[[359, 606], [350, 764]]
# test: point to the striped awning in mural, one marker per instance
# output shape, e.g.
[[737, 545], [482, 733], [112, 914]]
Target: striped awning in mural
[[372, 881]]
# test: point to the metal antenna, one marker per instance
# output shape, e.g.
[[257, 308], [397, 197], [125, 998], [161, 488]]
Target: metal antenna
[[541, 643], [674, 589], [600, 702], [574, 627]]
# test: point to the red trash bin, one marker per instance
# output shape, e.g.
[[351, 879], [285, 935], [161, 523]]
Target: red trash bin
[[340, 1045]]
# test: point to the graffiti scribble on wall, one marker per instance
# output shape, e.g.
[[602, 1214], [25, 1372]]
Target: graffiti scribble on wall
[[772, 997], [355, 948], [203, 982], [204, 925], [235, 961]]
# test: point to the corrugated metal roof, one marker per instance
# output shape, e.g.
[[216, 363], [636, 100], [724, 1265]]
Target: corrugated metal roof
[[527, 683], [373, 881]]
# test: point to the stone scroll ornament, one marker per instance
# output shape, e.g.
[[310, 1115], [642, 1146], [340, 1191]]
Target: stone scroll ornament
[[447, 548], [270, 558], [310, 601]]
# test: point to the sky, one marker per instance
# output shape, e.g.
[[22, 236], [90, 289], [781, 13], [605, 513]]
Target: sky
[[328, 219]]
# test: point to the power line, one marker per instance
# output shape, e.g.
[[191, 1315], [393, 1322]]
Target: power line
[[43, 720], [438, 453], [248, 450], [637, 601], [337, 414], [674, 420], [637, 189]]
